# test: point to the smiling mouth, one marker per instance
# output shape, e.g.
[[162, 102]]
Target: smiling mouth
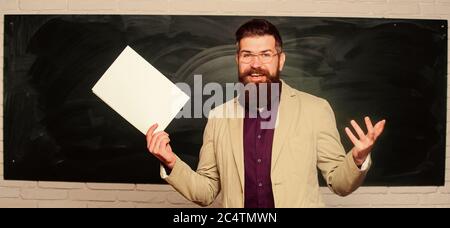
[[256, 78], [256, 75]]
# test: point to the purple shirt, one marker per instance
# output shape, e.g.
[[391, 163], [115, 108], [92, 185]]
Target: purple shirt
[[257, 162]]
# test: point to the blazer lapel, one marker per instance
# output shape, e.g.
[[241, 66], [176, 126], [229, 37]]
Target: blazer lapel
[[287, 110], [236, 124]]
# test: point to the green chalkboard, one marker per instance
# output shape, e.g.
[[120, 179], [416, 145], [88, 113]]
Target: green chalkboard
[[56, 129]]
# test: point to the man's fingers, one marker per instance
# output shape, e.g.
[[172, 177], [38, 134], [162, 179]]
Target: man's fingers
[[370, 130], [358, 129], [155, 138], [150, 133], [350, 135], [163, 143], [379, 127], [158, 142]]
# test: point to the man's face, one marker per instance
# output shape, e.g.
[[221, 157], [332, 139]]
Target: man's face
[[258, 60]]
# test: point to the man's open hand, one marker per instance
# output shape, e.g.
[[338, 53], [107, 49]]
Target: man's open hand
[[364, 144]]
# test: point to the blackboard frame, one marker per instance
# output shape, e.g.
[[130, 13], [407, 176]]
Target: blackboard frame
[[403, 60]]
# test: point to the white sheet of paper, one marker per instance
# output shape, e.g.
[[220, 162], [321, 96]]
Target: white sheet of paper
[[139, 92]]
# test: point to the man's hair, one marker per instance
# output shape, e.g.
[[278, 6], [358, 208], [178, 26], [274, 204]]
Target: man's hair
[[259, 27]]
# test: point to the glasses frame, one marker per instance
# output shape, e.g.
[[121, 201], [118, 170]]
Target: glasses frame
[[257, 55]]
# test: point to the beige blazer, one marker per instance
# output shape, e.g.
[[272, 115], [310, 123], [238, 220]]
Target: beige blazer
[[305, 139]]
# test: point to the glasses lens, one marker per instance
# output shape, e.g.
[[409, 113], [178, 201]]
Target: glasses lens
[[262, 57]]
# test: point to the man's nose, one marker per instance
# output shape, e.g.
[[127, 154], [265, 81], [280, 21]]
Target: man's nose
[[255, 63]]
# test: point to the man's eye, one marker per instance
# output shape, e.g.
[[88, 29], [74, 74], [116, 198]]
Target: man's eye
[[266, 55], [246, 55]]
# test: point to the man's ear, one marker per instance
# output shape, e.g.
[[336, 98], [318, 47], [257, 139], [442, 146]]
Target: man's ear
[[282, 59], [236, 57]]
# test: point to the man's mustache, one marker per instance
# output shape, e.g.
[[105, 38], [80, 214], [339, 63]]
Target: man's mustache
[[256, 71]]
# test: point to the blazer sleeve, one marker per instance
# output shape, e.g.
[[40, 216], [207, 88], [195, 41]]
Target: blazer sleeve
[[201, 186], [338, 169]]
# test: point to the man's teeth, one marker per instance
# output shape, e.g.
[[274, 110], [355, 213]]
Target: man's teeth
[[256, 75]]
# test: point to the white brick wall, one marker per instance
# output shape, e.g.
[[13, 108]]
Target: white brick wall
[[63, 194], [92, 5], [144, 6], [38, 5]]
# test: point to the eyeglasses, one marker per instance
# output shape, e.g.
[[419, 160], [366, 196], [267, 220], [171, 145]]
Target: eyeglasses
[[264, 57]]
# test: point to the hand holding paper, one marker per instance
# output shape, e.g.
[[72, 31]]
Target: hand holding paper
[[158, 145]]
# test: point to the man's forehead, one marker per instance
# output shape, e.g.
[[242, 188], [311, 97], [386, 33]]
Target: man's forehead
[[262, 51], [257, 43]]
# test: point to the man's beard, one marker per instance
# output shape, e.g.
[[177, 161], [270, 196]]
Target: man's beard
[[262, 87], [246, 76]]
